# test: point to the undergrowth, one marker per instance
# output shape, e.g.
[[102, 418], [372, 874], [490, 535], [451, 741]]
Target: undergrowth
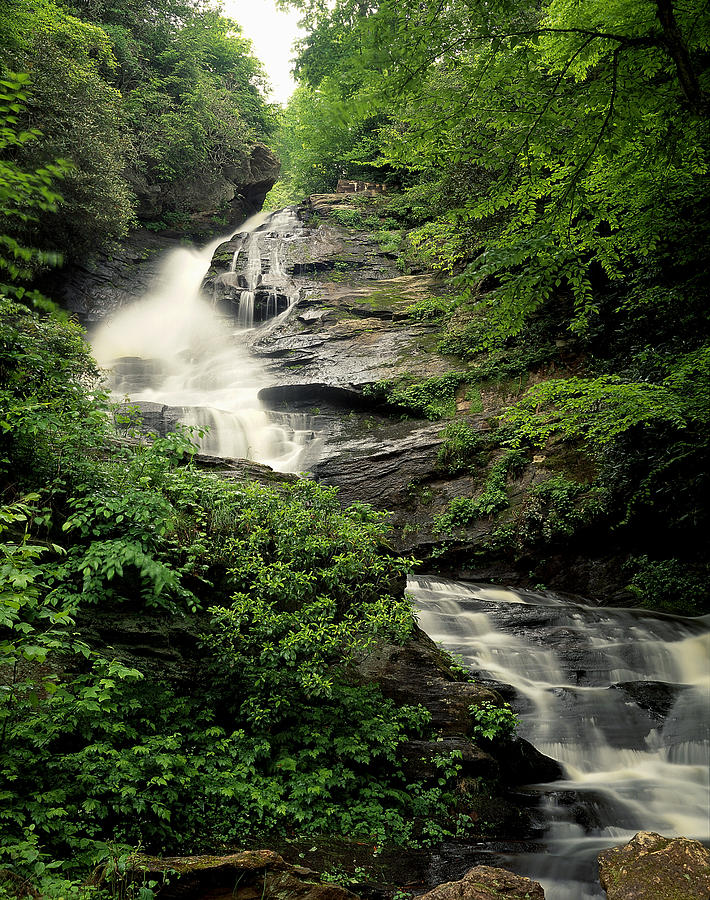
[[262, 729]]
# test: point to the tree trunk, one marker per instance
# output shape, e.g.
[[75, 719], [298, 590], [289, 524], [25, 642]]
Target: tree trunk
[[678, 50]]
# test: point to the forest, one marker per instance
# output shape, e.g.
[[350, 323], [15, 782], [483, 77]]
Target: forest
[[547, 163]]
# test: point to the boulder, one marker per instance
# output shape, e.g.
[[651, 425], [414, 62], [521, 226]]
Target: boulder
[[653, 867], [488, 883], [419, 673], [250, 875]]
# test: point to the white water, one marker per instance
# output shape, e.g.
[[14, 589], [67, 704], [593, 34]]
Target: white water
[[625, 770], [174, 348]]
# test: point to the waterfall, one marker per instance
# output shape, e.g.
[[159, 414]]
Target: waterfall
[[585, 679], [174, 348], [253, 280]]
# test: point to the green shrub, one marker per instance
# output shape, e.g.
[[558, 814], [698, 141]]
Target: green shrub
[[431, 309], [464, 511], [389, 241], [285, 590], [432, 398], [350, 218], [671, 585], [493, 722], [596, 410]]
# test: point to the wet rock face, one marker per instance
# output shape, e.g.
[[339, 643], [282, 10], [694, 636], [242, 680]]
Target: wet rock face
[[250, 875], [656, 697], [94, 289], [418, 673], [653, 867], [488, 883]]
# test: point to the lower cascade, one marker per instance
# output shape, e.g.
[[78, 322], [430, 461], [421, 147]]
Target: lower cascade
[[181, 347], [619, 697]]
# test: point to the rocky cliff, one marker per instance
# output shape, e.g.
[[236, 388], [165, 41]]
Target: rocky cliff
[[236, 193]]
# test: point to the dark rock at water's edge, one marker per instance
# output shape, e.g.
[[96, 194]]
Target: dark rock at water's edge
[[653, 867], [488, 883], [656, 697], [95, 288], [249, 875], [418, 673]]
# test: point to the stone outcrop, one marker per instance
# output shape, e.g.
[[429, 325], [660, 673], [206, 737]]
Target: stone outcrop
[[488, 883], [250, 875], [418, 673], [238, 190], [653, 867]]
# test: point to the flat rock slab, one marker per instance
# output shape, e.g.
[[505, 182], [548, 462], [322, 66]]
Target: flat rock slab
[[250, 875], [488, 883], [653, 867]]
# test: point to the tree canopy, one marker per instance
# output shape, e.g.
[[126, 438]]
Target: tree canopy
[[575, 133], [132, 94]]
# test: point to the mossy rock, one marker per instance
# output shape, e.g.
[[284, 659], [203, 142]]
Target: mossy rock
[[653, 867]]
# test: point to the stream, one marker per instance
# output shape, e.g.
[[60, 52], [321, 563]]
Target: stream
[[619, 697]]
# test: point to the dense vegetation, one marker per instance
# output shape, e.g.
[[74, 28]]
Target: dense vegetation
[[178, 653], [141, 98], [552, 160], [260, 726]]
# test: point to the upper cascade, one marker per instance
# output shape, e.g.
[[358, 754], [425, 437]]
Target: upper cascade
[[179, 355]]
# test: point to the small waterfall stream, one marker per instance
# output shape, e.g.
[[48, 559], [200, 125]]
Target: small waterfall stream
[[177, 348], [620, 697]]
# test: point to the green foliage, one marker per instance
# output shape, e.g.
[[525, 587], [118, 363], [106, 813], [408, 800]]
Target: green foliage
[[24, 195], [460, 450], [78, 116], [432, 398], [493, 722], [316, 142], [670, 585], [558, 508], [538, 197], [351, 218], [464, 511], [132, 94], [594, 410], [431, 309], [282, 589]]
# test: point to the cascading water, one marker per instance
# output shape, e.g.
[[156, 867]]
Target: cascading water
[[253, 277], [175, 348], [619, 697]]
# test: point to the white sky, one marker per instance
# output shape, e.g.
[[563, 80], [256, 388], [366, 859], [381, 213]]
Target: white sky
[[273, 33]]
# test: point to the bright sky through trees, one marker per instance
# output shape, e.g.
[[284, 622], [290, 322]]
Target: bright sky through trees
[[273, 33]]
